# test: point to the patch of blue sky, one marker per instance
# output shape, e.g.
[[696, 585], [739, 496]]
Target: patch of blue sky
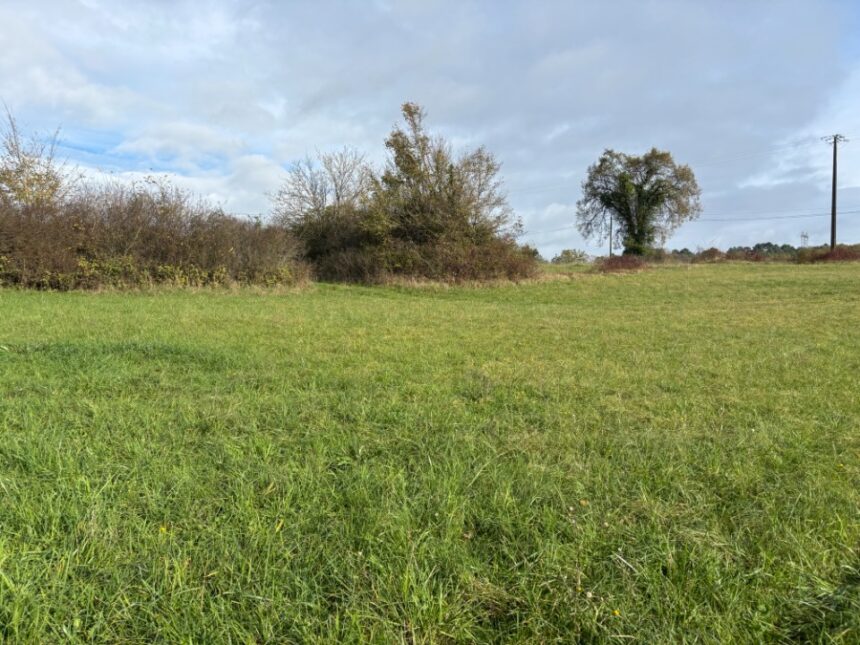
[[103, 150]]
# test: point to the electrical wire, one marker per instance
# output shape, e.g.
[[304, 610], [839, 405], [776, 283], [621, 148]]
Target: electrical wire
[[712, 161]]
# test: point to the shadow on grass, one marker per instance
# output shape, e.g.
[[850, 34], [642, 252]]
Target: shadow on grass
[[828, 617]]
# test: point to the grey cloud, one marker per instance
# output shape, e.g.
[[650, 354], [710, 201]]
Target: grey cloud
[[545, 85]]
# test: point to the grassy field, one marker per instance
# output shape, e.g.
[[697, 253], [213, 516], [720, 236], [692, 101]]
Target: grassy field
[[668, 456]]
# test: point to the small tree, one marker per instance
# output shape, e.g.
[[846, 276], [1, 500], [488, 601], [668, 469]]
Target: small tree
[[429, 193], [339, 180], [427, 212], [320, 201], [30, 175], [642, 198]]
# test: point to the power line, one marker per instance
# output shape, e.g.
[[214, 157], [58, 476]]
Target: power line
[[552, 230], [778, 211], [707, 161], [762, 219], [750, 155]]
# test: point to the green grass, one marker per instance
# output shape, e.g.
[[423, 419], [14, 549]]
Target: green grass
[[565, 269], [671, 455]]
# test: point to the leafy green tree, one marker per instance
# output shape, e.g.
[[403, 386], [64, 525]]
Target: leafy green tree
[[643, 198]]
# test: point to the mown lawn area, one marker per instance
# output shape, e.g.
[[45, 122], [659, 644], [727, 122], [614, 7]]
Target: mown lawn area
[[666, 456]]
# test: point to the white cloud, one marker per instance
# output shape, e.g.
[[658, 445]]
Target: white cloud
[[224, 93], [183, 141], [242, 188]]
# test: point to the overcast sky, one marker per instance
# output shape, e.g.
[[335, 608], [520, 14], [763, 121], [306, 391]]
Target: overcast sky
[[225, 95]]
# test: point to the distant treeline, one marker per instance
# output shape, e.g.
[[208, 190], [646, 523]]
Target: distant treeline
[[762, 252], [765, 251]]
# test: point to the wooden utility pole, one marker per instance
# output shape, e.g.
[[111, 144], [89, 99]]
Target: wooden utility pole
[[833, 139], [610, 236]]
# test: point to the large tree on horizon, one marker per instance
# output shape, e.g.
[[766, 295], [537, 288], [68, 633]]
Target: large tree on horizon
[[643, 198]]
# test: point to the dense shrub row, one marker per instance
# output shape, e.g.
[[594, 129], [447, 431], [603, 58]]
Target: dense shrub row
[[842, 253], [58, 232], [427, 214], [147, 233], [571, 256]]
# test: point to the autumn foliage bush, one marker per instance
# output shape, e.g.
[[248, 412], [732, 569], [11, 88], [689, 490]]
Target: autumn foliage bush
[[618, 263], [57, 232], [842, 253], [428, 214], [149, 233]]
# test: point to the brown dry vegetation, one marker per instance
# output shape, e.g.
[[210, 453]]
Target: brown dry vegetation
[[618, 263], [58, 232], [428, 215], [123, 236]]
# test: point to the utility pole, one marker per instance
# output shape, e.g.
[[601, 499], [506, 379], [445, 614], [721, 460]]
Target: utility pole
[[610, 236], [833, 139]]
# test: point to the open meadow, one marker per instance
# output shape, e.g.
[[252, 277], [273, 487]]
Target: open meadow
[[666, 456]]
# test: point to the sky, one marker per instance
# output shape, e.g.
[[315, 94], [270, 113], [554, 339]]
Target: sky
[[223, 96]]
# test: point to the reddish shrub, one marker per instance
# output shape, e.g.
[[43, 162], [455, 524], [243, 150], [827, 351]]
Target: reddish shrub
[[842, 253], [618, 263], [709, 255], [839, 254]]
